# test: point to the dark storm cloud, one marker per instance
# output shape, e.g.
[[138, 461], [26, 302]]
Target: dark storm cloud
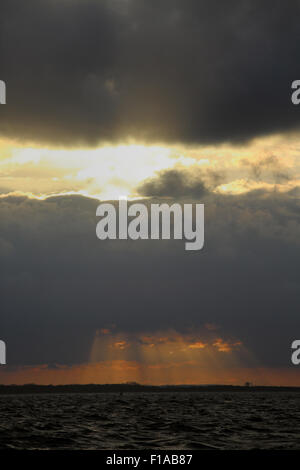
[[174, 183], [195, 182], [60, 284], [88, 71]]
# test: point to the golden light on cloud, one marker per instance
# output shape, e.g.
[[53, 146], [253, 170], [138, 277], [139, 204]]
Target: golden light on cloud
[[225, 346], [105, 172], [121, 345], [197, 345], [111, 171], [166, 352]]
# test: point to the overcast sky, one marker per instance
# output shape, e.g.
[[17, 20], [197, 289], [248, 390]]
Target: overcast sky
[[170, 101]]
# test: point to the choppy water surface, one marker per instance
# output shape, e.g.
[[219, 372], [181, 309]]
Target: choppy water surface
[[151, 421]]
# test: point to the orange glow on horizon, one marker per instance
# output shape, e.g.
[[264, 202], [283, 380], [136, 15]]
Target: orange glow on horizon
[[118, 371]]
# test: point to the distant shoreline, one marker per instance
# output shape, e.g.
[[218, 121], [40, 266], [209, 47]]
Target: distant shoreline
[[133, 388]]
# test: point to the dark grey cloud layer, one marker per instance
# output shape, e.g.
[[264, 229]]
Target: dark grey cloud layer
[[88, 71], [59, 283]]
